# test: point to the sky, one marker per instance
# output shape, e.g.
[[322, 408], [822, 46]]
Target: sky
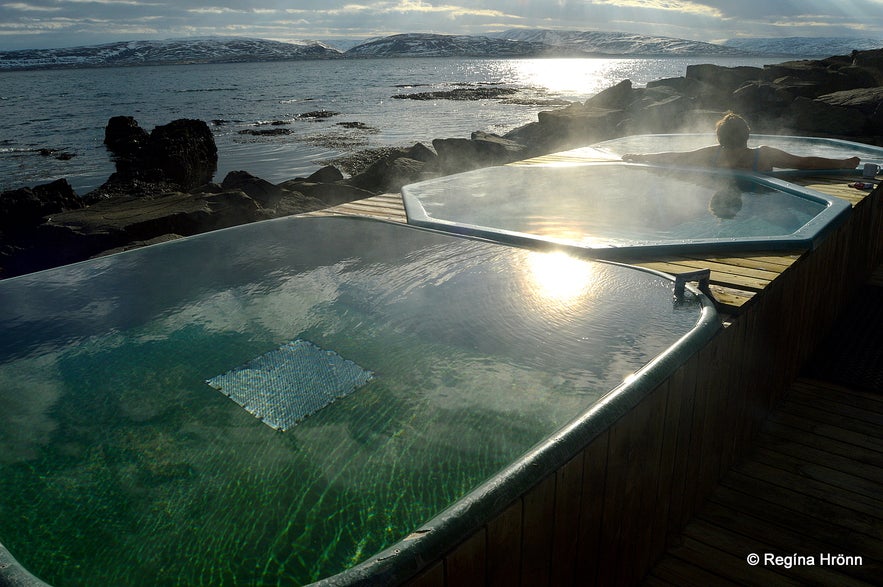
[[31, 24]]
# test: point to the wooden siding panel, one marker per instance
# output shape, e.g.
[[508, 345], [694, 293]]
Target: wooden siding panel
[[467, 565], [504, 547], [536, 539], [568, 493], [592, 510]]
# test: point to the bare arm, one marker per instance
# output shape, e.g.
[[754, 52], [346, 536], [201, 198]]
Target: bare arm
[[782, 159], [703, 156]]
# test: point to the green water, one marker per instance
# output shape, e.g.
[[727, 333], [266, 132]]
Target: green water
[[120, 466]]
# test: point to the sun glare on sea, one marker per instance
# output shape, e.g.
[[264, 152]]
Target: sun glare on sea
[[566, 76], [559, 277]]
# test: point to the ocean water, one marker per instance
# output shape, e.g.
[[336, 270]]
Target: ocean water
[[66, 111]]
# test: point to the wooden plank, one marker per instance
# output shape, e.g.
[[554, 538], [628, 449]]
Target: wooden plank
[[823, 417], [732, 567], [536, 538], [668, 457], [856, 502], [790, 498], [385, 207], [738, 547], [680, 509], [592, 509], [504, 547], [725, 538], [819, 535], [643, 487], [865, 412], [568, 491], [863, 456], [434, 576], [717, 277], [768, 536], [810, 470], [865, 400], [467, 564], [767, 261], [685, 574], [822, 458], [826, 430]]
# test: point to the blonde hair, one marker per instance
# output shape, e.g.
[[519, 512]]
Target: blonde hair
[[732, 131]]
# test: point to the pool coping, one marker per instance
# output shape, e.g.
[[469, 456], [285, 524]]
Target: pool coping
[[807, 237]]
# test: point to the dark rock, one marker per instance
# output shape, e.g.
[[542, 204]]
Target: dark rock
[[870, 61], [260, 190], [60, 155], [481, 150], [865, 100], [579, 125], [614, 97], [460, 94], [325, 194], [318, 115], [327, 174], [184, 151], [421, 152], [76, 235], [725, 79], [124, 137], [25, 207], [266, 132], [760, 96], [814, 116], [655, 113], [113, 223], [403, 171], [828, 77], [179, 155]]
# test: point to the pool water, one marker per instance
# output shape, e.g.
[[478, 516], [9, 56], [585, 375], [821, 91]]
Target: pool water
[[620, 207], [120, 465], [804, 146]]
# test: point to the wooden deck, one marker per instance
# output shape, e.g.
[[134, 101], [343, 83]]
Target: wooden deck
[[811, 487]]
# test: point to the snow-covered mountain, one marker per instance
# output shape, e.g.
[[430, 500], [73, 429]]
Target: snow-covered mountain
[[615, 43], [512, 43], [433, 45], [205, 50], [804, 46]]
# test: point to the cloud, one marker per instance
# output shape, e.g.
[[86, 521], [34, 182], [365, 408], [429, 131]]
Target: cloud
[[55, 23]]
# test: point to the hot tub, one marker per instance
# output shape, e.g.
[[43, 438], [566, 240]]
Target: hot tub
[[277, 402], [615, 209], [804, 146]]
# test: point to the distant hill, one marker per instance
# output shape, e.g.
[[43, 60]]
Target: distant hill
[[614, 43], [804, 46], [511, 43], [174, 51], [433, 45]]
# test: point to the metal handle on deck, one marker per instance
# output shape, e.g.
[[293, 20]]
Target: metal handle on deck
[[702, 276]]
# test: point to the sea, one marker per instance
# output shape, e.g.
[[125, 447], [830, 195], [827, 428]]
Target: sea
[[282, 120]]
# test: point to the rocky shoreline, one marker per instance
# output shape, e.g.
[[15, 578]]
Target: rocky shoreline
[[162, 187]]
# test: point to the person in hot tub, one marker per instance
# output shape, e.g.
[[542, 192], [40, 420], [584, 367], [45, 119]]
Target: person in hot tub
[[733, 153]]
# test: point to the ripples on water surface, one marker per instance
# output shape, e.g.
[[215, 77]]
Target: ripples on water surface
[[121, 466], [67, 110]]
